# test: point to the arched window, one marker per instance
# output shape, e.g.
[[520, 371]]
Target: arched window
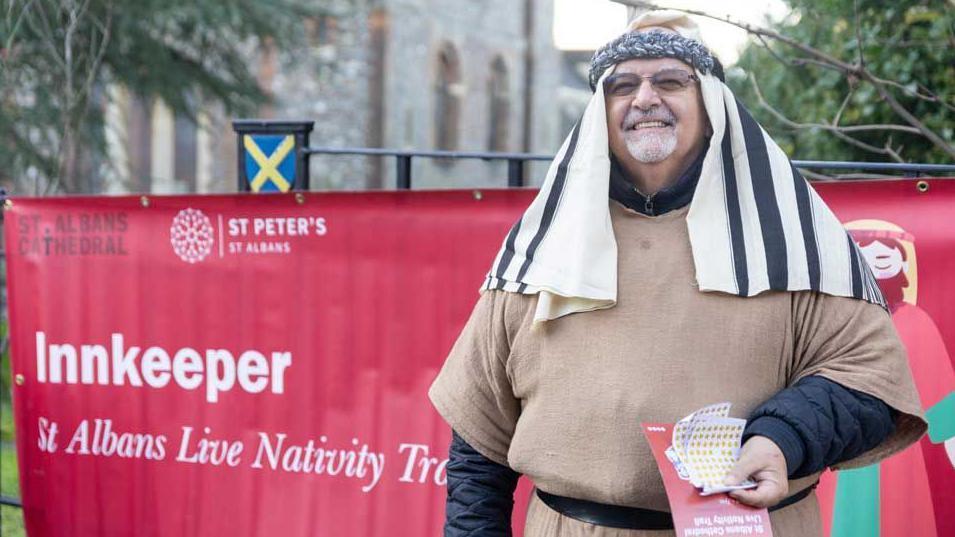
[[184, 151], [498, 90], [447, 99], [139, 127]]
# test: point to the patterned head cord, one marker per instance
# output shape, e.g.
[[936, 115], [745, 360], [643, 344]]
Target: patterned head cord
[[654, 44]]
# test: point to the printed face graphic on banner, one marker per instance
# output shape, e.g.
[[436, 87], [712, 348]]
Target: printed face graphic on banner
[[924, 470], [890, 252], [885, 259]]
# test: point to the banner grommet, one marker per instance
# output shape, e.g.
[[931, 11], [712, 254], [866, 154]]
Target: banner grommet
[[922, 186]]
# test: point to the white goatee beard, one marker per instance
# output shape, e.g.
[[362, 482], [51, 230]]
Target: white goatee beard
[[651, 147]]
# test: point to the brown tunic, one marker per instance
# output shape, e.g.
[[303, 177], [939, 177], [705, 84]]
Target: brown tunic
[[561, 401]]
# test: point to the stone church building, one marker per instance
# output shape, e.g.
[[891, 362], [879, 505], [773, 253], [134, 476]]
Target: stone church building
[[468, 75]]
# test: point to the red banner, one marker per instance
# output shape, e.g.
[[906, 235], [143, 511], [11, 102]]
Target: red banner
[[209, 365], [906, 234]]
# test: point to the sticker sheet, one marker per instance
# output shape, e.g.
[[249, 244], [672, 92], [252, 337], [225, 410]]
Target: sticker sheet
[[705, 447]]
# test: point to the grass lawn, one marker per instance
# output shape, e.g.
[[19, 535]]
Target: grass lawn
[[11, 518]]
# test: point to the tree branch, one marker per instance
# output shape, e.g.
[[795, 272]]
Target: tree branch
[[842, 107], [755, 30], [855, 9], [826, 126], [44, 29], [817, 63], [928, 96], [769, 49], [815, 176], [16, 27], [838, 132], [891, 152], [912, 120], [93, 71], [849, 69]]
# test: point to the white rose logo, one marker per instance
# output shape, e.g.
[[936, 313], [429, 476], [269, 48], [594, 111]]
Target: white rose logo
[[191, 235]]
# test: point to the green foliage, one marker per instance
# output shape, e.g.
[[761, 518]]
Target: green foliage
[[9, 474], [911, 42], [7, 434], [5, 385], [11, 522], [11, 518], [58, 59]]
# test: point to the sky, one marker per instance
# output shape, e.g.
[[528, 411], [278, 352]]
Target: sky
[[588, 24]]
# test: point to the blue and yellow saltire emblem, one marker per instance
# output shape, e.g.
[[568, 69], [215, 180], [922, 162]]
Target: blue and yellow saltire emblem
[[269, 162]]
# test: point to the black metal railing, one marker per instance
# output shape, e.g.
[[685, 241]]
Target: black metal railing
[[915, 170], [11, 501], [516, 162]]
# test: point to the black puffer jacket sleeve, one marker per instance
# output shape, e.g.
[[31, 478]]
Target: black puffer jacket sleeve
[[480, 493], [817, 423]]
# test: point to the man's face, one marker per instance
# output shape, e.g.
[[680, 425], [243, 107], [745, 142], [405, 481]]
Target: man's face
[[652, 124], [885, 262]]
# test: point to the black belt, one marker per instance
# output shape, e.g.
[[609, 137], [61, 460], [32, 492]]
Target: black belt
[[630, 518]]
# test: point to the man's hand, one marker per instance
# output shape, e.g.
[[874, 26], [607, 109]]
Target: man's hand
[[763, 461]]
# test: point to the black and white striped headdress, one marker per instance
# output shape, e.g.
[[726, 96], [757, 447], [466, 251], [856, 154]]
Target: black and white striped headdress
[[755, 223]]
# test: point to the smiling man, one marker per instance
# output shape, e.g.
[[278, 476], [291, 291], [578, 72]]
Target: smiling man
[[656, 129], [674, 258]]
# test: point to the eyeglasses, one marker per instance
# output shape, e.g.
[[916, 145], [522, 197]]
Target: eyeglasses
[[664, 82]]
